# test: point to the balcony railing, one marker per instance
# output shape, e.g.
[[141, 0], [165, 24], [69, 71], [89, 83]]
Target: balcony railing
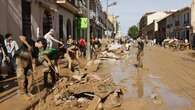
[[68, 5], [75, 6]]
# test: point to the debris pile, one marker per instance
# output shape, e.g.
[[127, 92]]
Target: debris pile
[[85, 89], [82, 90]]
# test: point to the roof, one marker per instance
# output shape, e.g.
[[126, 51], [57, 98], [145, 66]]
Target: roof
[[149, 13], [176, 11], [181, 10]]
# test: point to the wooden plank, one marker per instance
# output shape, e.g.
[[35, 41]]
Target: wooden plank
[[94, 103]]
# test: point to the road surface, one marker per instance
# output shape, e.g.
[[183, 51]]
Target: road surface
[[165, 83]]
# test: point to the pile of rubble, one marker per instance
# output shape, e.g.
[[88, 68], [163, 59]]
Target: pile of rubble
[[82, 90]]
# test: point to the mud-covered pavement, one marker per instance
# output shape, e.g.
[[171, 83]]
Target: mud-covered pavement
[[154, 88], [165, 83], [175, 70]]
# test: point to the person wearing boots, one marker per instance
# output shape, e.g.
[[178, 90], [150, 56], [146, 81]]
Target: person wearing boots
[[140, 53], [46, 56], [24, 68]]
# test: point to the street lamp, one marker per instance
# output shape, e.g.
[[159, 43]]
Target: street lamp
[[116, 17], [88, 34], [107, 6], [112, 4]]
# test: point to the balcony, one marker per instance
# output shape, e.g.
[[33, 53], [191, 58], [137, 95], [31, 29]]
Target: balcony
[[67, 4], [72, 2], [186, 23], [177, 23]]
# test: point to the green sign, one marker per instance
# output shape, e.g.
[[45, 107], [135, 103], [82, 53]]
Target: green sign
[[84, 23]]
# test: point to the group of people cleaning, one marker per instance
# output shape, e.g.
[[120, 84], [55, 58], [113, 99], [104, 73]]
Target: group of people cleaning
[[25, 58]]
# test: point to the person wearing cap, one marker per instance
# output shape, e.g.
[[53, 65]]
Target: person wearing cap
[[50, 38]]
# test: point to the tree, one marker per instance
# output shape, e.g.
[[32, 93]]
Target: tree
[[133, 32]]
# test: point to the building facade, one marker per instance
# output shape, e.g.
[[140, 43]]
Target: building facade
[[178, 24], [110, 29], [161, 34], [113, 20], [34, 18], [97, 19], [148, 24]]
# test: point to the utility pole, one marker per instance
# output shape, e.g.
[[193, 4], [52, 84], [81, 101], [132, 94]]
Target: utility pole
[[107, 19], [88, 34]]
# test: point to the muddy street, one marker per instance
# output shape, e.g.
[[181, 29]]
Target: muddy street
[[165, 83], [97, 55]]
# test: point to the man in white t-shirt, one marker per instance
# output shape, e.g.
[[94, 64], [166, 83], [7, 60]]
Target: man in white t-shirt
[[50, 38], [11, 46]]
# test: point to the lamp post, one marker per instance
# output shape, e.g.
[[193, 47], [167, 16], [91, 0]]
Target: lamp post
[[107, 6], [88, 34]]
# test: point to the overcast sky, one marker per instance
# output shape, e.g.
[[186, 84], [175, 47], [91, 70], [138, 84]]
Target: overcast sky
[[130, 11]]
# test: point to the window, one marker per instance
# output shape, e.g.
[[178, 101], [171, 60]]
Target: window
[[184, 17], [188, 18], [61, 33], [26, 18]]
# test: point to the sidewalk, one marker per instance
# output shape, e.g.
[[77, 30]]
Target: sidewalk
[[17, 103], [9, 98]]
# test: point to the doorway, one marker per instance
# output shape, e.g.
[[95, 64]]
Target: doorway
[[188, 35], [47, 22], [68, 28], [61, 32]]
